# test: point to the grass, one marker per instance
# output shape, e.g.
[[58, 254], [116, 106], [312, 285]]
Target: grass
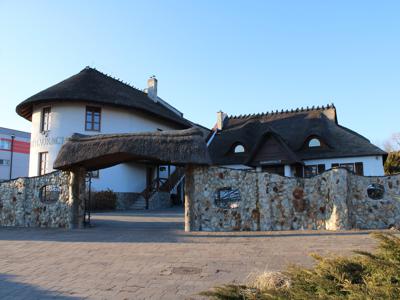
[[364, 275]]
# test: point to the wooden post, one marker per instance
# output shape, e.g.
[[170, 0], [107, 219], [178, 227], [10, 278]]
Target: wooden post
[[76, 196], [189, 192]]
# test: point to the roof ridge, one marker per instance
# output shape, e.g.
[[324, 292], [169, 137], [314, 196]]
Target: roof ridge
[[114, 78], [287, 111], [78, 137]]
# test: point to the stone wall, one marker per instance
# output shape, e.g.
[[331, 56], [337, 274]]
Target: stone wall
[[133, 201], [23, 204], [160, 200], [334, 200], [126, 201]]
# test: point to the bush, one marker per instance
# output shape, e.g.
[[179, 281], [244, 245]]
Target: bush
[[363, 276], [392, 164], [103, 200]]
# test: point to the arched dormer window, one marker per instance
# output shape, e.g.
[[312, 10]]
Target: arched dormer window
[[239, 148], [314, 143]]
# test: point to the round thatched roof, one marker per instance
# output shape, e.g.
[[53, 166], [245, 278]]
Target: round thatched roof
[[90, 85], [176, 147]]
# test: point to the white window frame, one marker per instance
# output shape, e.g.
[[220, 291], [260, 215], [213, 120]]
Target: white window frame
[[4, 162], [239, 148], [314, 143], [4, 142], [45, 122], [42, 170]]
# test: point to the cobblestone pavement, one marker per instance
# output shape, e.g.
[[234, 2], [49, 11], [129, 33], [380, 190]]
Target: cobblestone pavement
[[147, 255]]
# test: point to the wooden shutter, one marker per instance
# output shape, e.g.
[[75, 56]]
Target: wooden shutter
[[321, 168], [359, 168]]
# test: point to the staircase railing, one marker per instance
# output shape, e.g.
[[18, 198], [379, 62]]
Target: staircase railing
[[163, 184]]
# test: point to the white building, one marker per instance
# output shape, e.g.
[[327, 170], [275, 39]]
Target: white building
[[300, 142], [14, 153], [91, 102]]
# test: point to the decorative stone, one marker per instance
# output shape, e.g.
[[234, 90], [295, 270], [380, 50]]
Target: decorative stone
[[334, 200]]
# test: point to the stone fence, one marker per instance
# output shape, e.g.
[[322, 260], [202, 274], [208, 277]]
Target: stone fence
[[220, 199], [42, 201]]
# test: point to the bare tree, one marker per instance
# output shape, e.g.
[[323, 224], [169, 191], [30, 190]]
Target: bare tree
[[393, 143]]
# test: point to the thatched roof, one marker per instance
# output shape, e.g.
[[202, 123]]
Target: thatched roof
[[294, 128], [90, 85], [177, 147]]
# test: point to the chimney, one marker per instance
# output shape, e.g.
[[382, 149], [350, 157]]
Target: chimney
[[152, 88], [220, 119]]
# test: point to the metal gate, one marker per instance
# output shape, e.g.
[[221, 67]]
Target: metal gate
[[87, 200]]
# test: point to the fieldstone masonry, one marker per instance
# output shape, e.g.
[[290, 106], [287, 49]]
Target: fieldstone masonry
[[334, 200], [22, 203], [221, 199]]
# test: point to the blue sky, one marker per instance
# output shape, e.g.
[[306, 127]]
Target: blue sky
[[237, 56]]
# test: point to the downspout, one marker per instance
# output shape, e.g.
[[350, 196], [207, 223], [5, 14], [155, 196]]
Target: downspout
[[212, 137]]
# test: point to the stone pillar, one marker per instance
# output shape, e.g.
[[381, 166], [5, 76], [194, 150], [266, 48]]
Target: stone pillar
[[76, 196], [338, 214], [189, 204]]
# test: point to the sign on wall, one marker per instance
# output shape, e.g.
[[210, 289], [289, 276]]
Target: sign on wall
[[48, 141]]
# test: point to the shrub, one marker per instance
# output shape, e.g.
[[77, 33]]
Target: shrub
[[363, 276], [103, 200], [392, 164]]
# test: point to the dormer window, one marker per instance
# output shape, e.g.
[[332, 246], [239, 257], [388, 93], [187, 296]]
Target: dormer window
[[239, 149], [314, 143]]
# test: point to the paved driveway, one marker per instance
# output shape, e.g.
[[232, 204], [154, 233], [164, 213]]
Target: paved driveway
[[147, 255]]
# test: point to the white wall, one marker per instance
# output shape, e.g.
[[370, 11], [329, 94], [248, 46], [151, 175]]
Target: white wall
[[67, 118], [373, 165], [237, 167]]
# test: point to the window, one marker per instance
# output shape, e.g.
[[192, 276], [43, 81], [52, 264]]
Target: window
[[93, 118], [43, 159], [349, 167], [4, 162], [357, 168], [313, 170], [5, 145], [45, 121], [274, 169], [239, 149], [314, 142]]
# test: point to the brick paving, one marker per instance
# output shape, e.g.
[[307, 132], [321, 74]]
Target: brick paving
[[147, 255]]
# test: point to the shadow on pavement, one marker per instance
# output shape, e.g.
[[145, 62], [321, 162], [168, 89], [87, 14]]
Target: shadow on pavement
[[10, 288], [166, 226]]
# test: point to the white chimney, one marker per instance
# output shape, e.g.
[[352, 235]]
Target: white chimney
[[152, 88], [220, 119]]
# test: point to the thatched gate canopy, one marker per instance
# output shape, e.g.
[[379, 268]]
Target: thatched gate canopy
[[175, 147]]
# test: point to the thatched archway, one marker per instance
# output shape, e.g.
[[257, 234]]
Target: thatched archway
[[82, 153]]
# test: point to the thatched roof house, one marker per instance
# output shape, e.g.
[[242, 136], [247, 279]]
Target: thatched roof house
[[176, 147], [309, 137], [98, 88]]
